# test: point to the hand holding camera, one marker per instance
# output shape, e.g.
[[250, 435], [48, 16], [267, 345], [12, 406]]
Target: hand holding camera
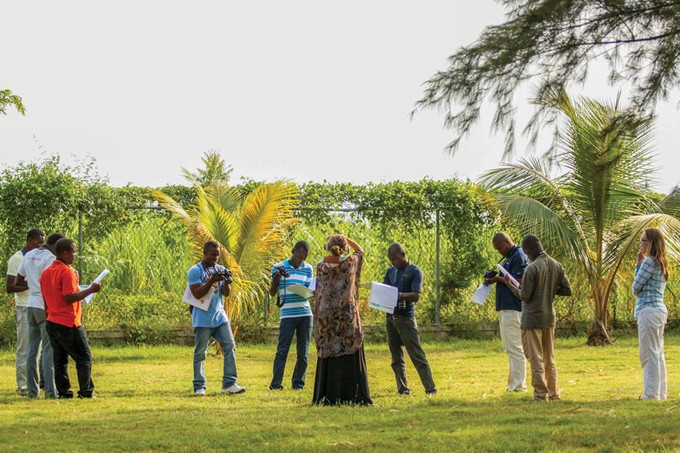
[[490, 276], [282, 272], [222, 276]]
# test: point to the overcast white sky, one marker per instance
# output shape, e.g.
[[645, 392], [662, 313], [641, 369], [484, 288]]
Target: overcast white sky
[[306, 90]]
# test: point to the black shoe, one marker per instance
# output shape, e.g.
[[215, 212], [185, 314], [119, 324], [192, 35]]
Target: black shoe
[[431, 392], [280, 387], [405, 392]]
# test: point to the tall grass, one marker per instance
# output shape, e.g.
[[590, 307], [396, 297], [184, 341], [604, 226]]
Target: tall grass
[[148, 261]]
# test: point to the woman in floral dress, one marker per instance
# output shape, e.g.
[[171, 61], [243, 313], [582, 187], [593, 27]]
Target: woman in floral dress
[[341, 376]]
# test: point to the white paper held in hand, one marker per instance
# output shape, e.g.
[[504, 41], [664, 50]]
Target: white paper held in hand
[[203, 303], [505, 273], [383, 297], [99, 279], [301, 290], [481, 293]]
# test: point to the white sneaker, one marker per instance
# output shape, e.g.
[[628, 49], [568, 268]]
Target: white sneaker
[[199, 392], [234, 389]]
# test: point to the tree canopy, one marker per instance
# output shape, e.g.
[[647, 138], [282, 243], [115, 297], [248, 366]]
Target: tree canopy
[[553, 42]]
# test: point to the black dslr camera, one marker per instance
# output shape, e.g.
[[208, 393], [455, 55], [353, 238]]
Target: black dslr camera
[[489, 274], [227, 276], [282, 270]]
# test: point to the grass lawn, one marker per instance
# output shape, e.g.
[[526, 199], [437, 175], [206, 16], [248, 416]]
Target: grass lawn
[[145, 402]]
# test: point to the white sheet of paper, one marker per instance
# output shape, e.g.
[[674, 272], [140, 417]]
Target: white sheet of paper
[[203, 303], [99, 279], [504, 273], [481, 293], [384, 295], [301, 290], [389, 310], [312, 284], [101, 276]]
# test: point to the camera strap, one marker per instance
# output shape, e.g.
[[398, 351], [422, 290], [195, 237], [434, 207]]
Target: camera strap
[[278, 295]]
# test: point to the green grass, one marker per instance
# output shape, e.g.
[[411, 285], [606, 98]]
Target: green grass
[[145, 403]]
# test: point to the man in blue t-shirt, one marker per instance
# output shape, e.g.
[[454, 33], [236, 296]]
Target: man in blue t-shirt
[[402, 329], [296, 314], [509, 309], [208, 278]]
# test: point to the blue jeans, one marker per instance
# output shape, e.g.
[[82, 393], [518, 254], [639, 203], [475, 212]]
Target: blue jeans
[[37, 339], [225, 338], [301, 327]]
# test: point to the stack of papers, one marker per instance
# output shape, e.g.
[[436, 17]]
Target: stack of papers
[[383, 297]]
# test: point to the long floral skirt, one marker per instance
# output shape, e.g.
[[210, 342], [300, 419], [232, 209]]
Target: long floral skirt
[[342, 380]]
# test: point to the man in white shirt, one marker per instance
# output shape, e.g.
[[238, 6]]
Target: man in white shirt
[[32, 267], [34, 239]]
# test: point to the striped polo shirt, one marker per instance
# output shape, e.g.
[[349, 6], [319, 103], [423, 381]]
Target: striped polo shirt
[[648, 286], [293, 305]]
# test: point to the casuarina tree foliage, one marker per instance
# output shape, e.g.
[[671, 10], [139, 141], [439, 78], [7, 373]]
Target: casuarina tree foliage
[[553, 43]]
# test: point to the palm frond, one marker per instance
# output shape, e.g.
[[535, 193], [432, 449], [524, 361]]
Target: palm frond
[[530, 178], [261, 221], [530, 216]]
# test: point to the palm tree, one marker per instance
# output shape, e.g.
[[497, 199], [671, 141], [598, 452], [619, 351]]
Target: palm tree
[[249, 227], [591, 215]]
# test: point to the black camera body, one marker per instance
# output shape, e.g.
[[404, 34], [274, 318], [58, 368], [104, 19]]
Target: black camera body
[[488, 275], [227, 276], [282, 270]]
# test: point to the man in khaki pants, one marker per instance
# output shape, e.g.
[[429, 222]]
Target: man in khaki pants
[[543, 279]]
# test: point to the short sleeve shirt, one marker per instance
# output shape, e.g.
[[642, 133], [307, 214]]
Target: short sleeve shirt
[[408, 279], [20, 299], [34, 264], [293, 305], [515, 264], [215, 316], [57, 281]]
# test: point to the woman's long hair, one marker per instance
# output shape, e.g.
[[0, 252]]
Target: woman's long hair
[[657, 249]]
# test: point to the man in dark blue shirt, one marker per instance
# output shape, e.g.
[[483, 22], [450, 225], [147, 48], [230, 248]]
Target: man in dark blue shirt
[[509, 309], [402, 329]]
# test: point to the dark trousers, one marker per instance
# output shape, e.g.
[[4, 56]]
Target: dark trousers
[[301, 327], [71, 341], [402, 331]]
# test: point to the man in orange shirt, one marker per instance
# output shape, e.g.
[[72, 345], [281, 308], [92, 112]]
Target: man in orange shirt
[[59, 286]]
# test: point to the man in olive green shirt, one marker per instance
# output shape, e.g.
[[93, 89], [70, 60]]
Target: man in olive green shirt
[[543, 279]]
